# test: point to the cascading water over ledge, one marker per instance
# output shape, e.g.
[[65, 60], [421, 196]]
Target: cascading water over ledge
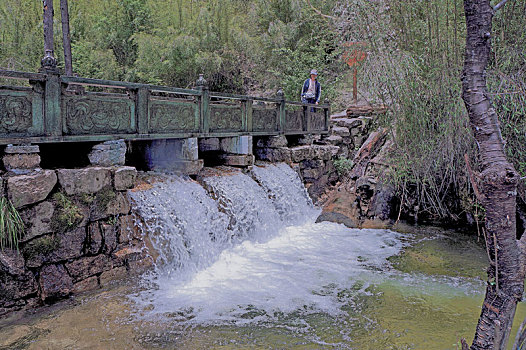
[[233, 242]]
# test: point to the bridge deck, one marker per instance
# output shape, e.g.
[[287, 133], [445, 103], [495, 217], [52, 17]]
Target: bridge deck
[[55, 108]]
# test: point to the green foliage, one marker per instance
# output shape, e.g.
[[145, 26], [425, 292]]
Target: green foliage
[[67, 214], [104, 197], [11, 225], [343, 165], [241, 46]]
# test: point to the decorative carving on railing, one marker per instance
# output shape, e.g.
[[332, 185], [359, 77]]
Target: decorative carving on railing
[[317, 120], [50, 110], [294, 120], [265, 119], [97, 116], [170, 117], [226, 118], [15, 114]]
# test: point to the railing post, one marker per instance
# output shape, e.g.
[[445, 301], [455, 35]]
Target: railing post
[[248, 114], [52, 108], [282, 111], [327, 111], [204, 110], [52, 88], [143, 126]]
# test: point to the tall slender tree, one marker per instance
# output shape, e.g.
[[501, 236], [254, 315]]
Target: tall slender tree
[[495, 186]]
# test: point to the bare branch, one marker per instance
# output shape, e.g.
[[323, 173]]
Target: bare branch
[[319, 12], [521, 335], [499, 5]]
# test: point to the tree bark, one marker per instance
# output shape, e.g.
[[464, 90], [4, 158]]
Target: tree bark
[[497, 184]]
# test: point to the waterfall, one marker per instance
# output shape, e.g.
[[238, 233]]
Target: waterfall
[[189, 223], [233, 244]]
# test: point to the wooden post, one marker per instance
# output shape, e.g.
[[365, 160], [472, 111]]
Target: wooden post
[[355, 85], [66, 38], [248, 113], [49, 62], [282, 111]]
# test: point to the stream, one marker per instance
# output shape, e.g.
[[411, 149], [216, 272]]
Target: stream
[[241, 264]]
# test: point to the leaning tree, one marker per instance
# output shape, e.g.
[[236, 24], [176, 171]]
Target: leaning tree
[[495, 186]]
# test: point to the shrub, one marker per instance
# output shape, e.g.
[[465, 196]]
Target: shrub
[[343, 165]]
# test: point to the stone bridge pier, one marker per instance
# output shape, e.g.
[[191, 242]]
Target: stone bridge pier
[[233, 151], [173, 155]]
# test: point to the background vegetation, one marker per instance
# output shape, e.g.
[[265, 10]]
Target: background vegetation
[[414, 64]]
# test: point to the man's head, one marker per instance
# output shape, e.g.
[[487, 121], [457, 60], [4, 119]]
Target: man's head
[[313, 74]]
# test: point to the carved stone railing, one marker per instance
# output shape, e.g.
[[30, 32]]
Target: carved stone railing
[[56, 108]]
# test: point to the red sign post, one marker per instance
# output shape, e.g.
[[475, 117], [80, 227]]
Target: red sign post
[[353, 55]]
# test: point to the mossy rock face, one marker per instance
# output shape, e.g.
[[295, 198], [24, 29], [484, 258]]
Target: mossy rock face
[[42, 246], [442, 255], [67, 215]]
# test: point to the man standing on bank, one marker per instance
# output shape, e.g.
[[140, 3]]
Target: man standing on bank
[[311, 91]]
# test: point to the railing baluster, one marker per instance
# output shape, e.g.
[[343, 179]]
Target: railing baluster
[[52, 110], [282, 111], [248, 113], [142, 111]]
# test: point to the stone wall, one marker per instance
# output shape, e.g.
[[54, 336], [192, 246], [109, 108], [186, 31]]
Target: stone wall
[[79, 232], [316, 157]]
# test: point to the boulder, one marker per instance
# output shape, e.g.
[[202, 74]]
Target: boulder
[[301, 153], [55, 283], [325, 152], [124, 178], [38, 220], [15, 281], [21, 163], [88, 266], [29, 189], [312, 174], [274, 155], [349, 123], [94, 243], [341, 131], [87, 180], [381, 205], [109, 233], [108, 153], [333, 139], [55, 248], [272, 142], [336, 217]]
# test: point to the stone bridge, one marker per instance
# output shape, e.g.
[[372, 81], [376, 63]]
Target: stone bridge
[[54, 108]]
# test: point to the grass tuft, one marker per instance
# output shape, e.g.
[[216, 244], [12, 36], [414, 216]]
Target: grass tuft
[[11, 225]]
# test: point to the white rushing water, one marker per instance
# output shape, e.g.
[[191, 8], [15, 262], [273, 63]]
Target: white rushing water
[[249, 245]]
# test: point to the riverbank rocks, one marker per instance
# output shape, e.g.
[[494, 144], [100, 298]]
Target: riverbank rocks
[[124, 178], [29, 189], [55, 283], [21, 160], [78, 222], [315, 155], [108, 153], [87, 180]]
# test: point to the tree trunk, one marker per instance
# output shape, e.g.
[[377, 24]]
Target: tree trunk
[[497, 187]]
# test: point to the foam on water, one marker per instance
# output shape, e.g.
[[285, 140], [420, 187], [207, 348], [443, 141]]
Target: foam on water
[[240, 248], [303, 268]]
